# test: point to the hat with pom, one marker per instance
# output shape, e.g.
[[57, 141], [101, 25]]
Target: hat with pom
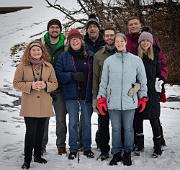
[[54, 22], [145, 36], [92, 20], [74, 33]]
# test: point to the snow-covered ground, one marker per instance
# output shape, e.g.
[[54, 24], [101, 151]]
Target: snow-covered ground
[[17, 28]]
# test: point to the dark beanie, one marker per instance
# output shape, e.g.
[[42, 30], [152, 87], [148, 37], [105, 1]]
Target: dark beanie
[[54, 22], [92, 20], [74, 33]]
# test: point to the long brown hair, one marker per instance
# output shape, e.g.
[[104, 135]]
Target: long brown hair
[[149, 52], [26, 54]]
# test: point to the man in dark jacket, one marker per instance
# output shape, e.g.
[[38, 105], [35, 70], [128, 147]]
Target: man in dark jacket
[[134, 31], [54, 43], [93, 38], [93, 42], [103, 120]]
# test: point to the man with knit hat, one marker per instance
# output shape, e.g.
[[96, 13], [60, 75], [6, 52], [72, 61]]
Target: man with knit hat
[[93, 38], [54, 43]]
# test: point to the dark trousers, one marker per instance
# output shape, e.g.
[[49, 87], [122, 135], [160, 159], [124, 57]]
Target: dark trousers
[[102, 134], [33, 137], [61, 128], [155, 125]]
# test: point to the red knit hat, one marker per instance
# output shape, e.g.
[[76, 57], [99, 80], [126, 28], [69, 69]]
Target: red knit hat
[[74, 33]]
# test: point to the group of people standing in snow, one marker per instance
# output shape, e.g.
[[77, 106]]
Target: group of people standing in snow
[[121, 77]]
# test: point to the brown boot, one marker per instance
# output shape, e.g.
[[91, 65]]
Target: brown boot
[[61, 150]]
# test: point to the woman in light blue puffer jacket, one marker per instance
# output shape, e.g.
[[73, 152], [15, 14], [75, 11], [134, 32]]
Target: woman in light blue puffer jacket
[[120, 72]]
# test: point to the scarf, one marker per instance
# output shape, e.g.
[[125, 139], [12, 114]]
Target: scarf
[[77, 53], [36, 63]]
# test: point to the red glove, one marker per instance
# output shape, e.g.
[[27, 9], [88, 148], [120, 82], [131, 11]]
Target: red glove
[[102, 106], [162, 97], [142, 104]]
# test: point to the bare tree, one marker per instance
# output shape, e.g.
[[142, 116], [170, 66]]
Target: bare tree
[[162, 17]]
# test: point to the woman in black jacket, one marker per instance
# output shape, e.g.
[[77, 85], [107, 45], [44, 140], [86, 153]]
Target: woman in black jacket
[[150, 57]]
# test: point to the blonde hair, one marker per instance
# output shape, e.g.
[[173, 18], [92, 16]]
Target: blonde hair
[[26, 55], [149, 52]]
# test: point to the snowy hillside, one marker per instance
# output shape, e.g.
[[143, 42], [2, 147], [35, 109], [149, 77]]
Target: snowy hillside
[[17, 28]]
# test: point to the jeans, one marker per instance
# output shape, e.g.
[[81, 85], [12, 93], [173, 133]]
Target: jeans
[[33, 137], [118, 119], [73, 108], [60, 112]]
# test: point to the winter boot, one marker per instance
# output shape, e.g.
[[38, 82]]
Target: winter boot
[[138, 144], [116, 158], [89, 154], [43, 150], [26, 165], [72, 155], [163, 142], [40, 160], [127, 158], [61, 150], [157, 147], [104, 156]]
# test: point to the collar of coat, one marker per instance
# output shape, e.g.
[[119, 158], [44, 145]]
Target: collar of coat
[[59, 44]]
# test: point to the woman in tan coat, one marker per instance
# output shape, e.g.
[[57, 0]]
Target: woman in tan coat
[[35, 78]]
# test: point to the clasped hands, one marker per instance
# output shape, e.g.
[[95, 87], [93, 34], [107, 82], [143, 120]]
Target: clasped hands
[[38, 85]]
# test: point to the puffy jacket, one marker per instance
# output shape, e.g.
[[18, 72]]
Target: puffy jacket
[[120, 71], [152, 68], [64, 68]]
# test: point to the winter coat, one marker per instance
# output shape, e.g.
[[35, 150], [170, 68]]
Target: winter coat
[[54, 50], [65, 66], [94, 46], [98, 62], [120, 71], [132, 43], [35, 103], [152, 68]]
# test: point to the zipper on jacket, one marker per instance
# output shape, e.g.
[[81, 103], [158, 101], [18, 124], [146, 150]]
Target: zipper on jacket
[[122, 78], [133, 99], [110, 91], [87, 79]]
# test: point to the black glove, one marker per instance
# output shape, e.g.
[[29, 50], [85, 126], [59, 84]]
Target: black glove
[[78, 76]]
